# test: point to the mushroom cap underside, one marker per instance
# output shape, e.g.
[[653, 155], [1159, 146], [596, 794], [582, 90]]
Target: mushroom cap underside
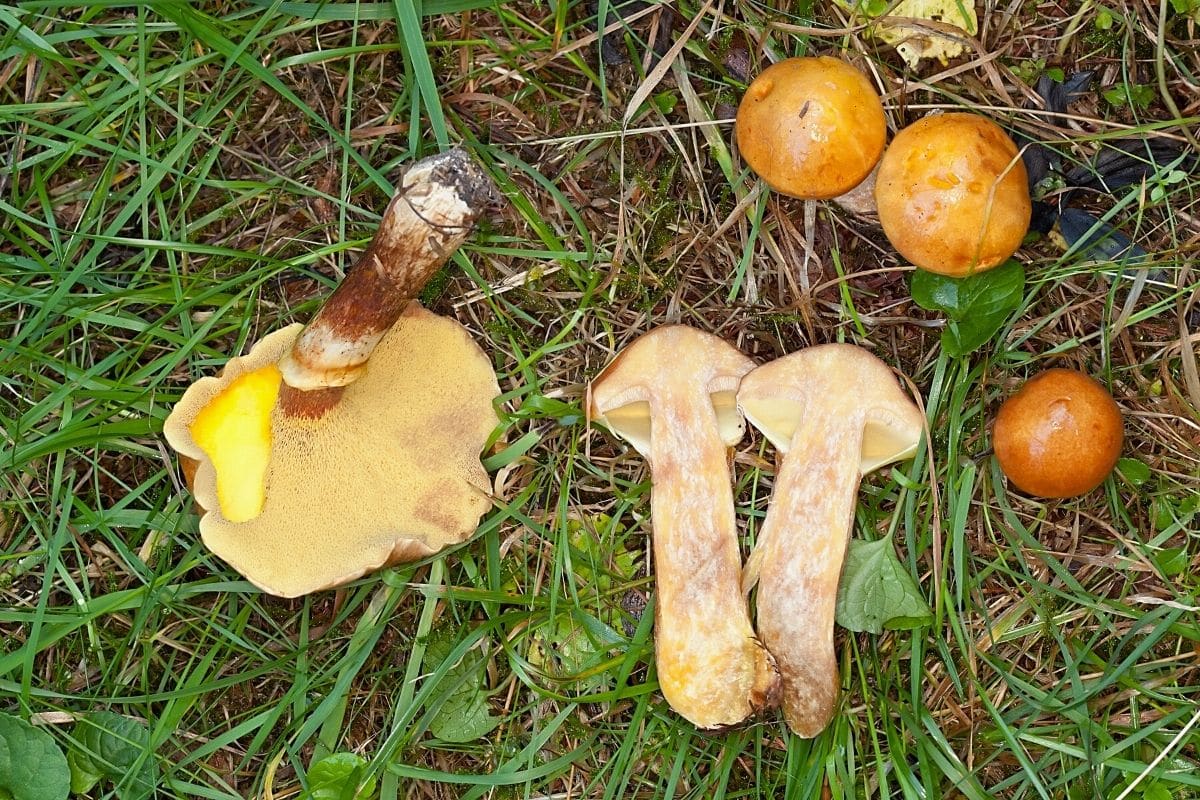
[[669, 366], [390, 474], [777, 395]]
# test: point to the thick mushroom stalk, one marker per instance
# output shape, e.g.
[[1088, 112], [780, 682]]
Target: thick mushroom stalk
[[313, 467], [671, 394], [835, 412], [437, 205]]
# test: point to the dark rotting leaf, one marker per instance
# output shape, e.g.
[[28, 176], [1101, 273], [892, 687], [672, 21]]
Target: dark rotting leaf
[[1097, 240], [656, 26], [1125, 162], [1044, 216], [1039, 159], [1057, 96]]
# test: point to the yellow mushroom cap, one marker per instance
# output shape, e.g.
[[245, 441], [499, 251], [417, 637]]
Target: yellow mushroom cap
[[952, 194], [811, 127], [390, 473]]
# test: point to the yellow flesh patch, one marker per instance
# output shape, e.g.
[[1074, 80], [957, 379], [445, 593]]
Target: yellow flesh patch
[[234, 431]]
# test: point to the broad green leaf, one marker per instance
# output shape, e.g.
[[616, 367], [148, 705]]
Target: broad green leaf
[[1133, 470], [338, 777], [463, 715], [84, 772], [32, 765], [877, 592], [976, 306], [1173, 561], [118, 748], [565, 649]]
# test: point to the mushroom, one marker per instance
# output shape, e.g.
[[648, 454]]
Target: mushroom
[[312, 465], [834, 412], [1059, 435], [952, 194], [811, 127], [671, 394]]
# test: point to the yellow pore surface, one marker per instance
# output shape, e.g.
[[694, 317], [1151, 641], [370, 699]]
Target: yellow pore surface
[[234, 431]]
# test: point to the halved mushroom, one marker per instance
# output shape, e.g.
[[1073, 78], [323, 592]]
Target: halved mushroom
[[671, 394], [835, 412], [315, 466]]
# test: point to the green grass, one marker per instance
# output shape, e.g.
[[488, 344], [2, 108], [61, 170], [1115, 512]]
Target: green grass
[[178, 182]]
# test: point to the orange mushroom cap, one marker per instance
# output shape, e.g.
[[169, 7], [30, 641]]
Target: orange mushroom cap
[[953, 195], [1059, 435], [811, 127]]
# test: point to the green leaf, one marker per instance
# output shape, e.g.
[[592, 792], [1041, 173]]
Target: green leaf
[[338, 777], [118, 748], [1173, 561], [566, 650], [1187, 7], [32, 765], [463, 715], [1135, 94], [877, 592], [84, 772], [976, 306], [1134, 471]]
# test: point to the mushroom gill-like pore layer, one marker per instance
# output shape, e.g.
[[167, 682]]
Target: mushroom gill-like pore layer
[[390, 473]]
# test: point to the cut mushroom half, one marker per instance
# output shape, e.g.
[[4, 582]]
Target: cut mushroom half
[[336, 448], [672, 395], [835, 413]]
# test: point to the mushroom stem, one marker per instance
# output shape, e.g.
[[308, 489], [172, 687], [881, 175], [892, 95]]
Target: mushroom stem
[[439, 200], [711, 667], [803, 541]]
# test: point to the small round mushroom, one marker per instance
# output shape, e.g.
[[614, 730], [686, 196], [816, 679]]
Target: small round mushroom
[[335, 448], [811, 127], [1059, 435], [952, 194]]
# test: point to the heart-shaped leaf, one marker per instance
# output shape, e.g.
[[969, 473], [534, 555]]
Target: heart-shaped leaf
[[877, 592], [464, 714], [115, 747]]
